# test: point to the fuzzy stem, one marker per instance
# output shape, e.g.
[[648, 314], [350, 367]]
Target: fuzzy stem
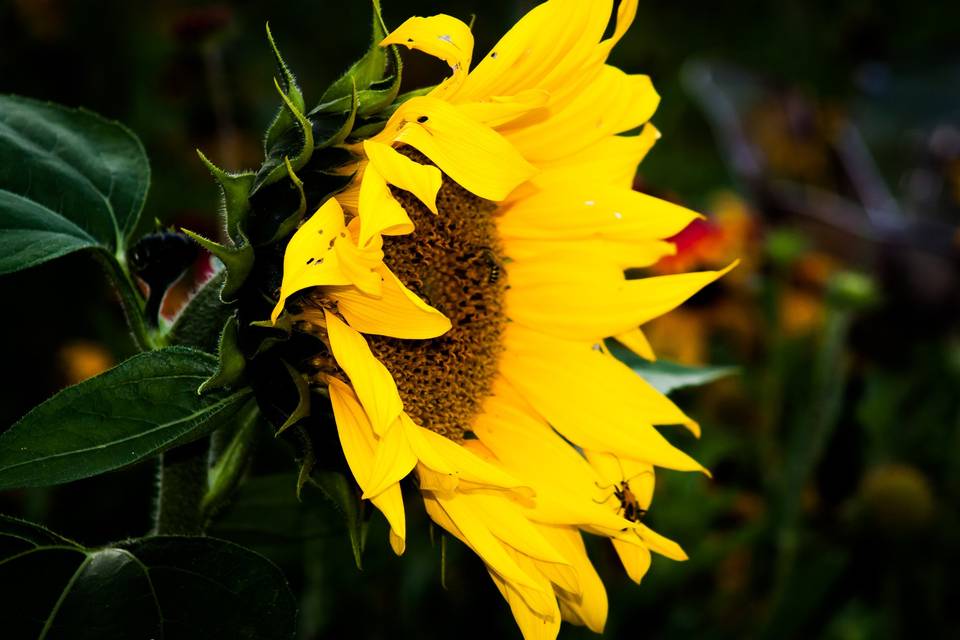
[[134, 307], [182, 481]]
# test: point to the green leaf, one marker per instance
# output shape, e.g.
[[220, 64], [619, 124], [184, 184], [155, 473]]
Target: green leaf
[[266, 511], [158, 587], [667, 376], [343, 494], [238, 262], [231, 362], [140, 408], [365, 71], [226, 473], [69, 180]]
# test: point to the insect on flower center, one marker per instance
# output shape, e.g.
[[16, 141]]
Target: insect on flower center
[[454, 261]]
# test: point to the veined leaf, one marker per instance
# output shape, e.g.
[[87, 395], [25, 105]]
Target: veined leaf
[[69, 180], [158, 587], [140, 408]]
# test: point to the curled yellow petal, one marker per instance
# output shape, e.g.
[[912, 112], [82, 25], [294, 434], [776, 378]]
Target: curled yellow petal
[[359, 445], [397, 312], [421, 180], [441, 36], [370, 379], [322, 252], [473, 155]]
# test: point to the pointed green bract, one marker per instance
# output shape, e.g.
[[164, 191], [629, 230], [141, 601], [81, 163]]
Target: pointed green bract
[[237, 260], [231, 361], [342, 493], [235, 192], [365, 71], [294, 143], [302, 409], [288, 86]]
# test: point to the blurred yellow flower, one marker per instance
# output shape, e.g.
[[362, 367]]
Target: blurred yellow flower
[[464, 284]]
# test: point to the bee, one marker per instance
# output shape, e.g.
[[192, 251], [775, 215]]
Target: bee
[[495, 264]]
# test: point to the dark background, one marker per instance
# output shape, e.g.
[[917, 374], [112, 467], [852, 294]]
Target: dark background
[[822, 139]]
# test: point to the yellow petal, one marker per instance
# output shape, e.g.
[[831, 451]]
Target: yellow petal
[[590, 608], [612, 160], [533, 625], [626, 12], [547, 48], [358, 443], [421, 180], [380, 213], [441, 36], [476, 534], [636, 341], [447, 457], [321, 252], [397, 312], [474, 156], [372, 382], [606, 212], [617, 253], [612, 103], [393, 460], [591, 398], [496, 111], [644, 535], [635, 559], [541, 291]]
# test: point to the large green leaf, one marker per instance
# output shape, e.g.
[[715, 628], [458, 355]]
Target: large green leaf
[[138, 409], [666, 376], [670, 376], [159, 587], [69, 180]]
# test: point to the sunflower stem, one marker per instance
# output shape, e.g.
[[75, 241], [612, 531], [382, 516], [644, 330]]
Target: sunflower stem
[[134, 306], [181, 483]]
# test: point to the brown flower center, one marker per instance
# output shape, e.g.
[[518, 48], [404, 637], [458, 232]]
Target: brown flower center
[[454, 261]]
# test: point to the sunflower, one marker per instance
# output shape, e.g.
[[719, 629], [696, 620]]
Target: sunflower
[[464, 285]]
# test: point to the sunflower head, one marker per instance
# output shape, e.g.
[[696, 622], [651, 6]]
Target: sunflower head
[[445, 270]]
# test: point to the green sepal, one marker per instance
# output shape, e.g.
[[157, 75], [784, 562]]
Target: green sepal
[[345, 497], [307, 461], [226, 473], [231, 361], [291, 222], [295, 142], [333, 123], [368, 69], [199, 323], [280, 332], [288, 86], [235, 193], [237, 260], [303, 403]]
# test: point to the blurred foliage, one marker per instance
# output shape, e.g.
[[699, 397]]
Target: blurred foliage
[[822, 139]]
